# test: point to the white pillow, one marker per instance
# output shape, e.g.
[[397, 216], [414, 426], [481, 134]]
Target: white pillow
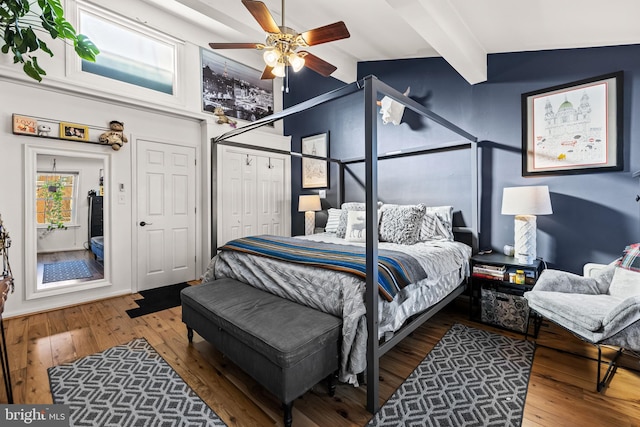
[[356, 223], [437, 223], [625, 283], [333, 220], [347, 207]]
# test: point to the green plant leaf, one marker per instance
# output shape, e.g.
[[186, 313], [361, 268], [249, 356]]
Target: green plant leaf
[[37, 67], [86, 49], [20, 38], [30, 71]]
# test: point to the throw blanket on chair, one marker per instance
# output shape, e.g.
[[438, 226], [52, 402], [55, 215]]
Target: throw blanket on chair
[[395, 269]]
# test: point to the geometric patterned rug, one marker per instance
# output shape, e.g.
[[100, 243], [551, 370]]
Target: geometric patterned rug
[[128, 385], [66, 270], [470, 378]]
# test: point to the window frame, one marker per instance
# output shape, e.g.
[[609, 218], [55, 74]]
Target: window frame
[[74, 62], [73, 221]]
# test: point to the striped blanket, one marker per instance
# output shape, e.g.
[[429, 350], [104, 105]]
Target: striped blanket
[[395, 269]]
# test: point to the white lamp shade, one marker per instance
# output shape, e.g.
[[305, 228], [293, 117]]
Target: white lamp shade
[[309, 203], [270, 57], [278, 70], [296, 62], [533, 200]]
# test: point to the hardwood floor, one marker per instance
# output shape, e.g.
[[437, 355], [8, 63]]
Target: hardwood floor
[[561, 389]]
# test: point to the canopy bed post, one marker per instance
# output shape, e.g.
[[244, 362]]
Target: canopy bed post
[[371, 290]]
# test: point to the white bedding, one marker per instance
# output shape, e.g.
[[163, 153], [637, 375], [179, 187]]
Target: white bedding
[[341, 294]]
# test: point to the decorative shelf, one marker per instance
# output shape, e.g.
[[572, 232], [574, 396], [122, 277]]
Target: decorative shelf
[[41, 127]]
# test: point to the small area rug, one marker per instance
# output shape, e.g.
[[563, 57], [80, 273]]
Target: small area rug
[[157, 299], [470, 378], [66, 270], [127, 385]]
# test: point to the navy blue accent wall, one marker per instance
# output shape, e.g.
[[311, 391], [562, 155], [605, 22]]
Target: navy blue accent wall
[[595, 214]]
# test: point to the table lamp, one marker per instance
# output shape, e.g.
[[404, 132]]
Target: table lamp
[[309, 204], [525, 203]]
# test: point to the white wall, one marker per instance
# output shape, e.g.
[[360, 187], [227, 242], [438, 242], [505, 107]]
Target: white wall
[[64, 96]]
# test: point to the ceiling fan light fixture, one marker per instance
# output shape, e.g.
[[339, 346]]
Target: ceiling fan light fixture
[[278, 70], [296, 61], [271, 57]]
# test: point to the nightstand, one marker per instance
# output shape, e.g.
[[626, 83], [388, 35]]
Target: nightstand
[[496, 300]]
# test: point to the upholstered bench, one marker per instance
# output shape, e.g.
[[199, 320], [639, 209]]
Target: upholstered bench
[[285, 346]]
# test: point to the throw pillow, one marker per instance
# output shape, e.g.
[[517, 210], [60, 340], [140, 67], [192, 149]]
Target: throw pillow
[[401, 224], [630, 258], [625, 283], [437, 223], [341, 231], [356, 223], [333, 221]]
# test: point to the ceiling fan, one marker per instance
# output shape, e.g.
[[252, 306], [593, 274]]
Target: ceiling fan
[[282, 43]]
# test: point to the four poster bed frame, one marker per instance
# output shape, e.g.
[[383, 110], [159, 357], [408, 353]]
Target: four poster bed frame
[[372, 87]]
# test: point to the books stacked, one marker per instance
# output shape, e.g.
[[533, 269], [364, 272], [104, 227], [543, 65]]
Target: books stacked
[[492, 272]]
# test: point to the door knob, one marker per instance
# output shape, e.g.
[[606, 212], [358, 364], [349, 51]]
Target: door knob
[[142, 223]]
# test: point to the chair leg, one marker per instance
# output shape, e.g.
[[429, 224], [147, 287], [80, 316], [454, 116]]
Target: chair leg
[[611, 369], [4, 359]]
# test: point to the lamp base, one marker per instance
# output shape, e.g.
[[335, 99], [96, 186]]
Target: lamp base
[[309, 222], [525, 238]]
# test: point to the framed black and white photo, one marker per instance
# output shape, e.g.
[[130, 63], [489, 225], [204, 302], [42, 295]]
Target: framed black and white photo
[[315, 172], [234, 88], [573, 128]]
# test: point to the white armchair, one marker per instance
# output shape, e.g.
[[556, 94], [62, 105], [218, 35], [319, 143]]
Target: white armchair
[[602, 307]]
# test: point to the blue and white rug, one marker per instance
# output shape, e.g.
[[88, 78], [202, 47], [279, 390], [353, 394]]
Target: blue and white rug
[[470, 378], [128, 385], [66, 270]]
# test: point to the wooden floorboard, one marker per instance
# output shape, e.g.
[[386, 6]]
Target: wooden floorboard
[[561, 390]]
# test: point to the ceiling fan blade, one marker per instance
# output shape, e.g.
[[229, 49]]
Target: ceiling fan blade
[[234, 45], [261, 14], [318, 65], [267, 74], [328, 33]]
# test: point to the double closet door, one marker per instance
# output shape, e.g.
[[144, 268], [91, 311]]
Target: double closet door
[[253, 193]]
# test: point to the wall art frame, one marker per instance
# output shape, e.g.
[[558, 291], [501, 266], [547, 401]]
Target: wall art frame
[[238, 89], [74, 132], [315, 172], [574, 128]]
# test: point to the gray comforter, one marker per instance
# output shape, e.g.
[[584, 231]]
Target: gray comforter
[[342, 294]]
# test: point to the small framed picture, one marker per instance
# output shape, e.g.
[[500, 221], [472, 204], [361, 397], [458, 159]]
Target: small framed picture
[[74, 132], [25, 125], [315, 172]]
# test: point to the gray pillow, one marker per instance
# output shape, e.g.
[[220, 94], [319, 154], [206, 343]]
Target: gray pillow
[[341, 231], [401, 224]]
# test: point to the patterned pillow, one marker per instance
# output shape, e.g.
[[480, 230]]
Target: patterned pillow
[[333, 220], [401, 224], [356, 222], [341, 231], [437, 224], [630, 258]]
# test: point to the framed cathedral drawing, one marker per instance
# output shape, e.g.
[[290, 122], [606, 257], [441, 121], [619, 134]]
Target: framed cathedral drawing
[[315, 172], [573, 128]]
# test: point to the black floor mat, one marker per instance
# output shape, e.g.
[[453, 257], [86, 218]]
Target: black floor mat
[[157, 299]]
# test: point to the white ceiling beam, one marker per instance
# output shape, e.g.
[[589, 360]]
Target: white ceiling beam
[[440, 25]]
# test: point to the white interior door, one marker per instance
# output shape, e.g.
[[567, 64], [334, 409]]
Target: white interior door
[[166, 219]]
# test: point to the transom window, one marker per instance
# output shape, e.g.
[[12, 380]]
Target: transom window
[[56, 197], [129, 55]]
